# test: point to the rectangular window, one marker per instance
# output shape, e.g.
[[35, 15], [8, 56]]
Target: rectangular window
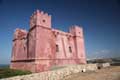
[[70, 49], [57, 48]]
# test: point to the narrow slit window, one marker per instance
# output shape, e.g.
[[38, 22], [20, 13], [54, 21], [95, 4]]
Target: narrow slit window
[[70, 49], [24, 48], [57, 48]]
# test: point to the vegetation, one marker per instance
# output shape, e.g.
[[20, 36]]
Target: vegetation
[[6, 72]]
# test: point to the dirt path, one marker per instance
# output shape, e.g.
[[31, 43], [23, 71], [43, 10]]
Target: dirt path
[[111, 73]]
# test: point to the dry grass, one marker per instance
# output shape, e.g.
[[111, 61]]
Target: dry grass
[[111, 73]]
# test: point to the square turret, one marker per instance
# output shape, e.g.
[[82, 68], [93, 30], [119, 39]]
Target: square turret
[[39, 18], [76, 31]]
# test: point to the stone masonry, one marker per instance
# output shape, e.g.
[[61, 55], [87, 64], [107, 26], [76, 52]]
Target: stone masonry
[[42, 47], [57, 74]]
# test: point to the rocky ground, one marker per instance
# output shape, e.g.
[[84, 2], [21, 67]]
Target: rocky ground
[[73, 73], [111, 73]]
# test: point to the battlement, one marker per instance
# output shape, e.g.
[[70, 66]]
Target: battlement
[[38, 12], [56, 32], [20, 34], [40, 18], [76, 30]]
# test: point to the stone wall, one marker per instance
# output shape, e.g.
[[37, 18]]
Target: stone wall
[[103, 65], [57, 74], [106, 64]]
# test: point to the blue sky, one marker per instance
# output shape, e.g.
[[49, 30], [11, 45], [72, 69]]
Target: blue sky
[[100, 20]]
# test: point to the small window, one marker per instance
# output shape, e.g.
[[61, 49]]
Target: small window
[[43, 20], [70, 49], [57, 48], [55, 35], [24, 48]]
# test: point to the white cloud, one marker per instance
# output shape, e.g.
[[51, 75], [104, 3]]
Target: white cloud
[[104, 51]]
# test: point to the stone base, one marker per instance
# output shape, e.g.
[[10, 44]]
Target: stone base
[[57, 74], [27, 66], [40, 65]]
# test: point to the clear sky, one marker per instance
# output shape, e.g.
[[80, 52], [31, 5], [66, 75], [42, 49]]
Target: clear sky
[[100, 20]]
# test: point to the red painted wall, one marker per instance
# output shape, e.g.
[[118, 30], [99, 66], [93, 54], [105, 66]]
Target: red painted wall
[[36, 50]]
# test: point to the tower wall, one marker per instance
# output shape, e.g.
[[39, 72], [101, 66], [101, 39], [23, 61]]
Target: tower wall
[[31, 43], [19, 50], [79, 43], [42, 44], [45, 48], [65, 54]]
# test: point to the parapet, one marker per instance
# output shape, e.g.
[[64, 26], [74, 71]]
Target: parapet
[[58, 32], [76, 30], [38, 12], [20, 34], [40, 18]]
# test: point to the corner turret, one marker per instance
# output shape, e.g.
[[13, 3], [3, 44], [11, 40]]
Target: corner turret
[[39, 18], [76, 31], [79, 42]]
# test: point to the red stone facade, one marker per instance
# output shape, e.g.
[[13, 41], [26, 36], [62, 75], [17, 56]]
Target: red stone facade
[[43, 47]]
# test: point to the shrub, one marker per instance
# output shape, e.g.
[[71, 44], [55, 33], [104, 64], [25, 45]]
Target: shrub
[[7, 72]]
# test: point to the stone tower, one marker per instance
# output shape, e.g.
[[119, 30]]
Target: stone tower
[[79, 43], [41, 41], [19, 50], [19, 45], [43, 47]]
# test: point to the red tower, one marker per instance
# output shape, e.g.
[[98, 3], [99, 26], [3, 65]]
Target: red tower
[[43, 47], [41, 41]]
